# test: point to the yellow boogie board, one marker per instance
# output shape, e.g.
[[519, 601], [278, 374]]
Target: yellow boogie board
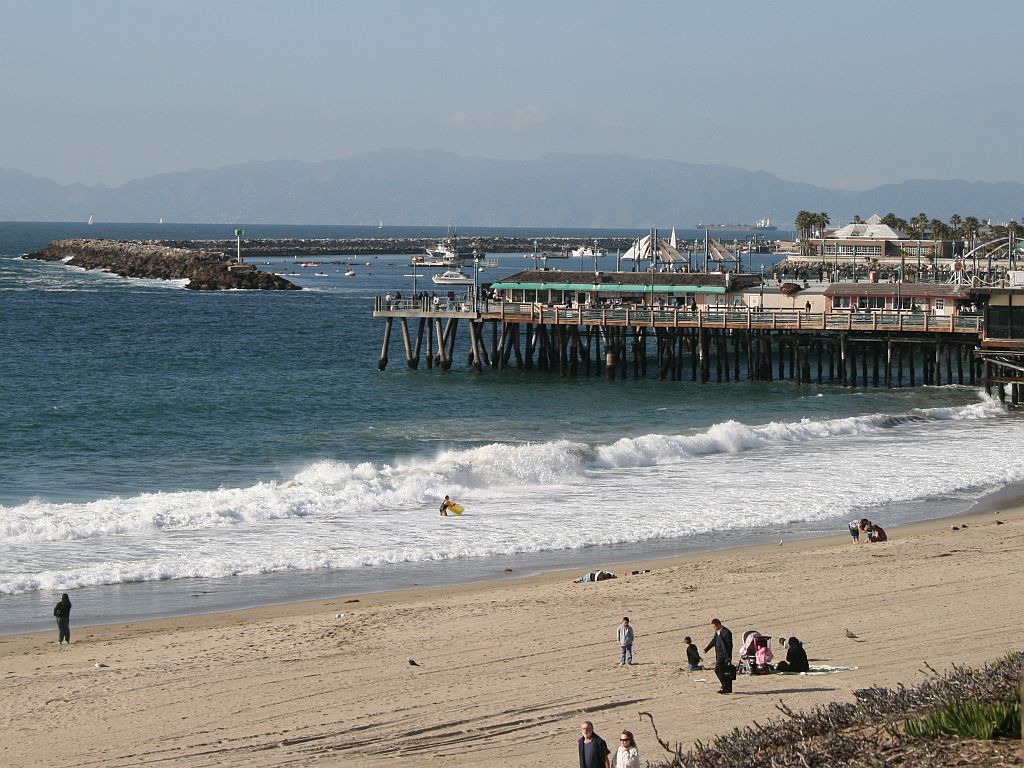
[[455, 508]]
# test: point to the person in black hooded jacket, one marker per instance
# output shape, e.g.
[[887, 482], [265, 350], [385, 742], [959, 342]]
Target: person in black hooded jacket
[[62, 611], [796, 658]]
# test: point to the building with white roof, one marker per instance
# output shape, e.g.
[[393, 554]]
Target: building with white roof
[[873, 241]]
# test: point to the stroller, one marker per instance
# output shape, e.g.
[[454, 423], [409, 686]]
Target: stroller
[[755, 654]]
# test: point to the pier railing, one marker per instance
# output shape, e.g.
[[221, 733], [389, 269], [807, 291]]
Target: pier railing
[[736, 318]]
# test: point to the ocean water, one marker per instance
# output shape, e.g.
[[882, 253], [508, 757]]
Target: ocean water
[[166, 451]]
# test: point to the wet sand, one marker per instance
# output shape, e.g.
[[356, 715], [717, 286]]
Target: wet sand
[[508, 669]]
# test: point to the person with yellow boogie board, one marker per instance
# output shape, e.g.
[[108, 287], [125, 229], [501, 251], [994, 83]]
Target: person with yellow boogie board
[[450, 506]]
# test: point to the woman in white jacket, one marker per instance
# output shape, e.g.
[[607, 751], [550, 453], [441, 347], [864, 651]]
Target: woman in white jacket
[[627, 755]]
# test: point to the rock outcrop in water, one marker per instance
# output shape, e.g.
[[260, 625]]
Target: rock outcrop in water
[[206, 270]]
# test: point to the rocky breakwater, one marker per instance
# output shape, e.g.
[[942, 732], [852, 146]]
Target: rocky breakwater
[[205, 270]]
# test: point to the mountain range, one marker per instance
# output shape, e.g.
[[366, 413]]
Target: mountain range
[[434, 187]]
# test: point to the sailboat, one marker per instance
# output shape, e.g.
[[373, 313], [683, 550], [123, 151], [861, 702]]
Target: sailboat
[[381, 225], [90, 219]]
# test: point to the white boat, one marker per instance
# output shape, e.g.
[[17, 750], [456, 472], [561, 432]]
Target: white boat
[[587, 251], [452, 277], [350, 273], [446, 253], [322, 274], [90, 219]]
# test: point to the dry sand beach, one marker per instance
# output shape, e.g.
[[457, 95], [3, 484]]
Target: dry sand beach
[[508, 669]]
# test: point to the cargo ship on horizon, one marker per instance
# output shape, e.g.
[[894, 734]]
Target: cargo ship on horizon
[[761, 225]]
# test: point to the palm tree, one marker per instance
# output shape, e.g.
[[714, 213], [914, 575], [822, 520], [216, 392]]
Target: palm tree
[[803, 223], [822, 220], [857, 220], [955, 222], [918, 224], [894, 221], [971, 225]]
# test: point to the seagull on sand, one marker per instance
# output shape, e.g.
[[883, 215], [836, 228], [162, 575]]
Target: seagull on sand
[[413, 662], [850, 634], [100, 665]]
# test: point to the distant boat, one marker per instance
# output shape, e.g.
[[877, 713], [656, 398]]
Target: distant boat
[[586, 251], [161, 219], [350, 273], [381, 225], [319, 274], [761, 225], [90, 219], [452, 277]]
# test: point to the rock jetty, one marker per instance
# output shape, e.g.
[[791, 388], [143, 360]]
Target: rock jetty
[[321, 248], [205, 270]]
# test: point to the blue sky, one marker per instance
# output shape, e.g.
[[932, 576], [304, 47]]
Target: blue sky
[[838, 94]]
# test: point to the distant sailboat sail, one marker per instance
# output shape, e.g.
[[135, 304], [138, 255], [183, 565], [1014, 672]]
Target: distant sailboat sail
[[90, 219], [643, 249]]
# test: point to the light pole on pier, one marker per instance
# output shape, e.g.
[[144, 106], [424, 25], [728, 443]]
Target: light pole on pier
[[238, 244], [476, 282]]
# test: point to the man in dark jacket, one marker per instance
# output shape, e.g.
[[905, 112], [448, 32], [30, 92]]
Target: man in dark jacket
[[722, 643], [62, 612], [593, 749]]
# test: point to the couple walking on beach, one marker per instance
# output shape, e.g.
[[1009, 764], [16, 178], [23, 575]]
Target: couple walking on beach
[[594, 752]]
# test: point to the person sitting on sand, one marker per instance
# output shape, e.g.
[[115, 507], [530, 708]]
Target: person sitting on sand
[[877, 534], [444, 506], [796, 658], [693, 658]]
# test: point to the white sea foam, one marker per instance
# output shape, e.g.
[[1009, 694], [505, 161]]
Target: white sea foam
[[519, 497]]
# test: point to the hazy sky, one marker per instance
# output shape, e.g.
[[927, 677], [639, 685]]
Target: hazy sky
[[842, 94]]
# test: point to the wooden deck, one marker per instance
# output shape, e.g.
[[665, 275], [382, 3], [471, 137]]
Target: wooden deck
[[677, 317]]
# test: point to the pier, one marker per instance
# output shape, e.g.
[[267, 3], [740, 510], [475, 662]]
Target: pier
[[721, 327], [700, 344]]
